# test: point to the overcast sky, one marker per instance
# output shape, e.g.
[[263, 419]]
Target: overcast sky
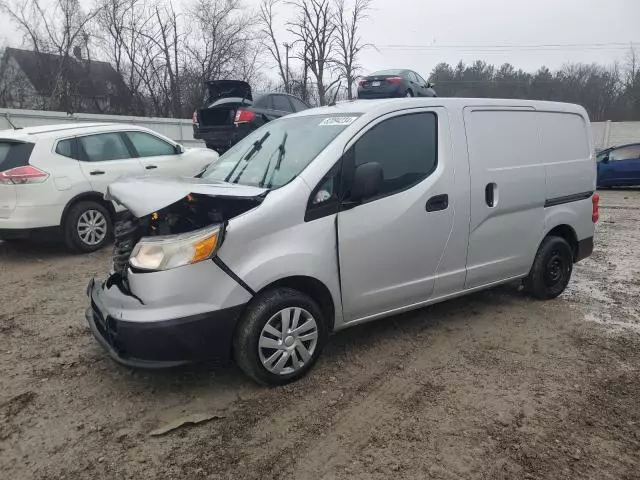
[[403, 31], [418, 34]]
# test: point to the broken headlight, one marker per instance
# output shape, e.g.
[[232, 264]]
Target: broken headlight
[[172, 251]]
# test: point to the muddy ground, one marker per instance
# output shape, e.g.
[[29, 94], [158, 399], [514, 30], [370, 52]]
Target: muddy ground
[[491, 386]]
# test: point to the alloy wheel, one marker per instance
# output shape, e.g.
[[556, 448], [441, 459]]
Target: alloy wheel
[[92, 227]]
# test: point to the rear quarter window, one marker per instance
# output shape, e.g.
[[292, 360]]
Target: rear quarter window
[[65, 148], [14, 154], [564, 137], [502, 138]]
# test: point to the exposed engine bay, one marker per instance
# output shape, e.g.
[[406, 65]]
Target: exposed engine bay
[[193, 212]]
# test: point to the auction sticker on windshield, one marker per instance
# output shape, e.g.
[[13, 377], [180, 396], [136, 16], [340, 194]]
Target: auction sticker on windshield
[[337, 121]]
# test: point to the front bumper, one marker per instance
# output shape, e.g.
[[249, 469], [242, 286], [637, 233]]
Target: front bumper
[[158, 344]]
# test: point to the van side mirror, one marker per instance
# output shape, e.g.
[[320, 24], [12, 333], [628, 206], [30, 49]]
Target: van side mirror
[[367, 181], [179, 149]]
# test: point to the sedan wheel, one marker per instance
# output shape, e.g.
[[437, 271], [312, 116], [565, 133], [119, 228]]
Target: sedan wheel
[[92, 227], [87, 226]]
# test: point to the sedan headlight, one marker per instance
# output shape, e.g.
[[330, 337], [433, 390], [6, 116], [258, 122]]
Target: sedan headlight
[[171, 251]]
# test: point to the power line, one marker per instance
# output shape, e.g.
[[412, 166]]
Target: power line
[[512, 47]]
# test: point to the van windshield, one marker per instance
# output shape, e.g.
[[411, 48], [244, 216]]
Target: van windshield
[[277, 152]]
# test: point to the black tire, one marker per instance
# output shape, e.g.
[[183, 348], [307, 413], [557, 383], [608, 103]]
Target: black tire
[[263, 308], [408, 93], [72, 238], [551, 270]]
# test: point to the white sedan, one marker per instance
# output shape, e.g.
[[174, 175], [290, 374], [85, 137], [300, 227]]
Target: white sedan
[[53, 178]]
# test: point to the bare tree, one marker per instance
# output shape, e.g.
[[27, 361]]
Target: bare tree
[[349, 44], [57, 28], [167, 40], [314, 29], [266, 19], [166, 55], [120, 27], [632, 67]]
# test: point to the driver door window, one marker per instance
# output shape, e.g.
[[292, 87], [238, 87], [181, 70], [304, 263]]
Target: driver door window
[[150, 146], [625, 153], [406, 148], [157, 156]]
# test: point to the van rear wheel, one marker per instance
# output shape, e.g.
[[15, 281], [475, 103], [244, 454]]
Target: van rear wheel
[[551, 270], [280, 336]]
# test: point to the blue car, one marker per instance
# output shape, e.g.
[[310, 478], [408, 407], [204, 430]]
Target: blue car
[[619, 166]]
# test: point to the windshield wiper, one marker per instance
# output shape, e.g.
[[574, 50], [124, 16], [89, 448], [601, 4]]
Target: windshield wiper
[[281, 152], [257, 145]]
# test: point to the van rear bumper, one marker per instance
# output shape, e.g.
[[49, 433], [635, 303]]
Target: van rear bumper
[[585, 249]]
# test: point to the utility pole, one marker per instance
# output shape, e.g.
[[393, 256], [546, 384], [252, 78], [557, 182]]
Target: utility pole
[[287, 46]]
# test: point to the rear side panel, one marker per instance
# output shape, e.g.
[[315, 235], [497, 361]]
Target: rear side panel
[[569, 161], [64, 183], [567, 155]]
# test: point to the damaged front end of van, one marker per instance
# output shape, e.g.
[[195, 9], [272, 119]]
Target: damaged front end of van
[[143, 314]]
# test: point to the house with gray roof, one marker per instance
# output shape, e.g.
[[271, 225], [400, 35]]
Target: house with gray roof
[[44, 81]]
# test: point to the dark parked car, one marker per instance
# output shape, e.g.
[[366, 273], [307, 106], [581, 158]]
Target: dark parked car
[[619, 166], [231, 112], [394, 83]]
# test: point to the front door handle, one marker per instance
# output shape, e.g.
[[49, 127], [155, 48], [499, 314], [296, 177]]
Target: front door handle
[[437, 203], [150, 167], [96, 172]]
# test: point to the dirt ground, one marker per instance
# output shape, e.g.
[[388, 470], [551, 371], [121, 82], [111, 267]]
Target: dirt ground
[[494, 385]]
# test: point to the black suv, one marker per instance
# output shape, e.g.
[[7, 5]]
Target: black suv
[[231, 112]]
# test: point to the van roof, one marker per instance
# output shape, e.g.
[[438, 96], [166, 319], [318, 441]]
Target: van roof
[[391, 104]]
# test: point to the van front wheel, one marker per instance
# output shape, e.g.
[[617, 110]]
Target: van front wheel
[[280, 336], [551, 270]]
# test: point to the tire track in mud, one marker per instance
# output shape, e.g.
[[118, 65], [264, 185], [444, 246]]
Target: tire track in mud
[[316, 414]]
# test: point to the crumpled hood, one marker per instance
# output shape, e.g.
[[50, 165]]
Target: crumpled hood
[[143, 196]]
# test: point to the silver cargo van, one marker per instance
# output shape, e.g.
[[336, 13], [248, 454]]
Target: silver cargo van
[[340, 215]]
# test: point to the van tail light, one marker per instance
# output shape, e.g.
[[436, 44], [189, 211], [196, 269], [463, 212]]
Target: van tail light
[[23, 175], [595, 212], [244, 116], [194, 119], [394, 80]]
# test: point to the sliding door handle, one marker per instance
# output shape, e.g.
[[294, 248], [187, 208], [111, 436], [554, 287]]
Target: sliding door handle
[[490, 195]]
